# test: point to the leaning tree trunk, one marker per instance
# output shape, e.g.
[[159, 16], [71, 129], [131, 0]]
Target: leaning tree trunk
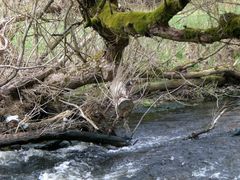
[[114, 47], [111, 60]]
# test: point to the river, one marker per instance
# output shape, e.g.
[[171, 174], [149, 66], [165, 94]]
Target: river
[[159, 153]]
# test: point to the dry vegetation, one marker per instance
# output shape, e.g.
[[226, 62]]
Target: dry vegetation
[[51, 66]]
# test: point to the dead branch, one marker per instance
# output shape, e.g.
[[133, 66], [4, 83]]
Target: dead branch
[[210, 127], [21, 68], [27, 82], [48, 123], [82, 113], [199, 60], [3, 43]]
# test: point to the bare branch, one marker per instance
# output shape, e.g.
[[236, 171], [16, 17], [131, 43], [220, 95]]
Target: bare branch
[[210, 127]]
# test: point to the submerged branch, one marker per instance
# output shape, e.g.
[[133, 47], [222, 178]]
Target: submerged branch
[[210, 127]]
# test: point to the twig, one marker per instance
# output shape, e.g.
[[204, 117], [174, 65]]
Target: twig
[[82, 113], [85, 13], [211, 126], [199, 60], [140, 121], [100, 7], [21, 55], [68, 29], [21, 68]]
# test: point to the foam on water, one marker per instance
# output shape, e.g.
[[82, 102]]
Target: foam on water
[[67, 170], [70, 169], [124, 170], [78, 147], [147, 142], [209, 171], [8, 157]]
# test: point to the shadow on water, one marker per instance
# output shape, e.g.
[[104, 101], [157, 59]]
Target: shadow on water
[[159, 153]]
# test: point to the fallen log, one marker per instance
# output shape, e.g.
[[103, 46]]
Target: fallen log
[[76, 135], [167, 84], [225, 71]]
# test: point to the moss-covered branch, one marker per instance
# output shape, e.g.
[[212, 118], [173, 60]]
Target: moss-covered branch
[[135, 23], [155, 23], [229, 27]]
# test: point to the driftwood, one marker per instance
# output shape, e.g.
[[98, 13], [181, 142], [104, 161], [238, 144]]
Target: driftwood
[[37, 137]]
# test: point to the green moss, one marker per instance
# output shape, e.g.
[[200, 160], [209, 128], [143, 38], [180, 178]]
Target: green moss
[[132, 23], [213, 33], [213, 78], [124, 22], [164, 14], [229, 23], [190, 33], [233, 27], [135, 22]]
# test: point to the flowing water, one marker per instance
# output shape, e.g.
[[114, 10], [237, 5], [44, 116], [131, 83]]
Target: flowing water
[[159, 153]]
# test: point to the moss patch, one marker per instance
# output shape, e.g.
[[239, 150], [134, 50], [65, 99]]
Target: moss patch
[[233, 26], [136, 22]]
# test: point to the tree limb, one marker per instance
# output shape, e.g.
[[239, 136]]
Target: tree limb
[[155, 23], [210, 127]]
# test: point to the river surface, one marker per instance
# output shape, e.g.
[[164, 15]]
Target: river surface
[[159, 153]]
